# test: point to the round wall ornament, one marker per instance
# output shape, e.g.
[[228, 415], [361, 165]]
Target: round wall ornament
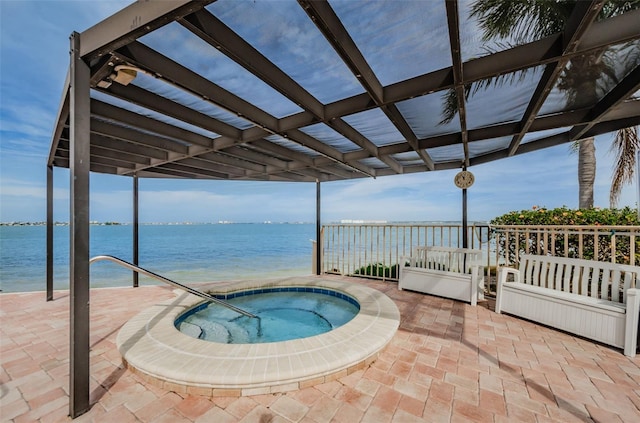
[[464, 179]]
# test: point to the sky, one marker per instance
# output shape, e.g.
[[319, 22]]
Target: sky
[[34, 43]]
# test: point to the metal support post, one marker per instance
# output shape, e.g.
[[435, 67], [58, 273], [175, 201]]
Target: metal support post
[[79, 232], [136, 228], [318, 231], [465, 226], [49, 232], [465, 230]]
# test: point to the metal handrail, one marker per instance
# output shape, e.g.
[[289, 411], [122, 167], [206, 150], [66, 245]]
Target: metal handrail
[[149, 273]]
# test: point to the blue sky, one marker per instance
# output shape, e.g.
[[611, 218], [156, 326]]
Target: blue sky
[[34, 37]]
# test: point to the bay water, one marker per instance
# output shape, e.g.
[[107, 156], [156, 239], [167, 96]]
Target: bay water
[[185, 253]]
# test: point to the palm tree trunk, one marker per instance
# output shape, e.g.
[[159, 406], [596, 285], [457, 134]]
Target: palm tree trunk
[[586, 172]]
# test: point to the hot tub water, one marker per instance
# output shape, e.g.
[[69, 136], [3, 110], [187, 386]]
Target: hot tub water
[[284, 314]]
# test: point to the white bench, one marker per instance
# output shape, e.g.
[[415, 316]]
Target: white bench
[[596, 300], [455, 273]]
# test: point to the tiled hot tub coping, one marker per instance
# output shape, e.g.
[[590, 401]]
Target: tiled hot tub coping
[[154, 349]]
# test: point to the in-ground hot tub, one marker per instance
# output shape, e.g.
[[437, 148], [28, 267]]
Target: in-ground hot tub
[[282, 313], [155, 349]]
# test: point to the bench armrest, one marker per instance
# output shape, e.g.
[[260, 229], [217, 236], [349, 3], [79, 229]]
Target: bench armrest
[[401, 266], [631, 324], [407, 259], [477, 282], [502, 279]]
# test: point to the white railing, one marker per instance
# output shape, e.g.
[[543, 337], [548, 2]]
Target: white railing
[[168, 281], [375, 250], [615, 244]]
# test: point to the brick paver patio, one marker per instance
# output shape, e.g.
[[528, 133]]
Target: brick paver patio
[[448, 362]]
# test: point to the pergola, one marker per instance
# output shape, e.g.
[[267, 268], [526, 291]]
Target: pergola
[[314, 91]]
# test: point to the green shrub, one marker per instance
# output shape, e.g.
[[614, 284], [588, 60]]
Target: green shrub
[[531, 241], [378, 270], [564, 216]]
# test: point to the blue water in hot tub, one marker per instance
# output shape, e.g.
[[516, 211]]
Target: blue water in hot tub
[[284, 314]]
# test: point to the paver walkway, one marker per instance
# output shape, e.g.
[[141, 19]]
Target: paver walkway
[[448, 362]]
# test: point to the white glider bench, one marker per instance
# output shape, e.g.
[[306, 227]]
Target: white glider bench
[[595, 300], [455, 273]]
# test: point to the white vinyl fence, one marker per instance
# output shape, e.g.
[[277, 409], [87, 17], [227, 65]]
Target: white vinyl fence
[[376, 250], [615, 244]]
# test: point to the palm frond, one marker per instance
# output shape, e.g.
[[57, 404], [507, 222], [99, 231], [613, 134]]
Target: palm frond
[[574, 147], [626, 146], [450, 99], [617, 7], [509, 23], [619, 61], [631, 51], [449, 106], [521, 20], [585, 79]]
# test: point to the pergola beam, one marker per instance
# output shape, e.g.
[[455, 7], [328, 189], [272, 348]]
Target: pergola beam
[[562, 138], [95, 167], [569, 118], [229, 159], [141, 143], [131, 23], [232, 136], [325, 19], [137, 137], [352, 134], [61, 120], [549, 50], [601, 34], [162, 172], [190, 170], [107, 153], [143, 98], [270, 165], [113, 113], [121, 147], [625, 88], [100, 160], [221, 37], [284, 152], [458, 77], [213, 31], [582, 35], [145, 58], [582, 17], [125, 142]]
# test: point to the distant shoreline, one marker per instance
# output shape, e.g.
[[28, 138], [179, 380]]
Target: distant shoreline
[[225, 222], [59, 223], [95, 223]]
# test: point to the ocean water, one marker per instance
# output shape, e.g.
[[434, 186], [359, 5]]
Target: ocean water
[[184, 253]]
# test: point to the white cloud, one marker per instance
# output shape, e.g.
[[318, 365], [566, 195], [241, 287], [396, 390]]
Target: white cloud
[[206, 206], [21, 188]]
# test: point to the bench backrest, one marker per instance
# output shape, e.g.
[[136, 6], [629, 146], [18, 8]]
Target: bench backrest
[[603, 280], [459, 260]]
